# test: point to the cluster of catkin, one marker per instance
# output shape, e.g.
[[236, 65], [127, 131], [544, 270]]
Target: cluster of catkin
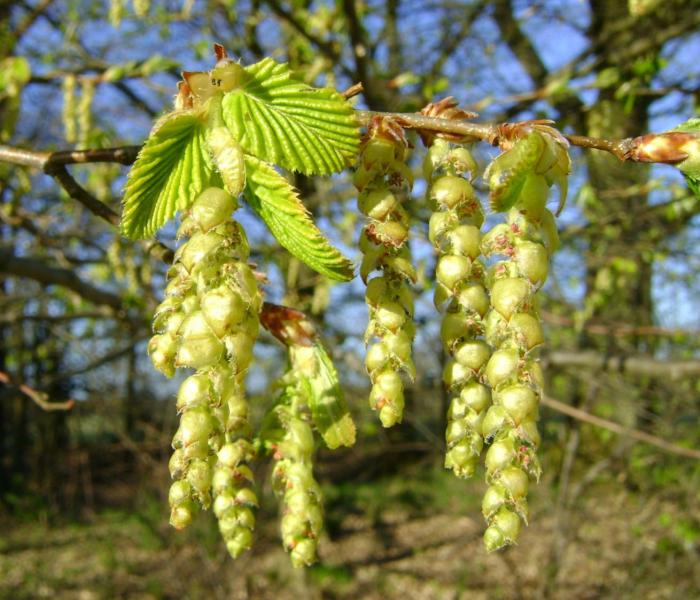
[[455, 233], [490, 326], [209, 321], [383, 181]]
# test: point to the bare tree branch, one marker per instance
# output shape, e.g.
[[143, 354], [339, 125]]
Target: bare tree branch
[[36, 269], [641, 436], [39, 398], [632, 365]]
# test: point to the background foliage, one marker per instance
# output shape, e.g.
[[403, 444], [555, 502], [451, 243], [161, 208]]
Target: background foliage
[[82, 492]]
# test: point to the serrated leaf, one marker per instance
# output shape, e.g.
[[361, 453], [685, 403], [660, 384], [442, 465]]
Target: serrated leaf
[[278, 204], [171, 170], [282, 120], [329, 410]]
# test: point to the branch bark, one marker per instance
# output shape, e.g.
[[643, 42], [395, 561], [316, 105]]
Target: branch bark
[[631, 365], [635, 434], [36, 269]]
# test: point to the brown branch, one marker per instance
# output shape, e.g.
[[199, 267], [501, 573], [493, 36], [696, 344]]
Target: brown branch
[[631, 365], [635, 434], [41, 399], [616, 330], [37, 270]]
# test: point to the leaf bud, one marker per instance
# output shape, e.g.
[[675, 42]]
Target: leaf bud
[[532, 261], [533, 197], [462, 459], [529, 432], [519, 401], [454, 326], [194, 251], [465, 240], [455, 374], [475, 396], [500, 455], [399, 345], [495, 421], [390, 315], [240, 543], [508, 523], [473, 354], [246, 497], [177, 464], [440, 223], [199, 347], [473, 297], [527, 329], [162, 349], [509, 295], [199, 477], [378, 204], [451, 192], [194, 392], [452, 269], [497, 240], [377, 357], [515, 481], [195, 426], [494, 498], [180, 492], [502, 367], [223, 309], [239, 347], [181, 515], [303, 553], [212, 207]]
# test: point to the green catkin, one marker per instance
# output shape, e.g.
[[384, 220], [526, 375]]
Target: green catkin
[[293, 481], [84, 112], [455, 233], [141, 7], [209, 321], [513, 327], [69, 110], [116, 12], [383, 181]]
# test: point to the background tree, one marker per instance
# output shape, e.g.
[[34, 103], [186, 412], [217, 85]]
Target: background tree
[[612, 517]]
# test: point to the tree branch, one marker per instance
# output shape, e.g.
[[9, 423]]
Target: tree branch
[[632, 365], [635, 434], [37, 270], [39, 398]]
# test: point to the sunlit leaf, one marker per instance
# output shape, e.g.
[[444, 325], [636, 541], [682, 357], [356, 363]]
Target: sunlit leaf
[[171, 170], [278, 204], [284, 121]]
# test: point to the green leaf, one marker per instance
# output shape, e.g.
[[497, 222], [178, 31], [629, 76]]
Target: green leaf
[[172, 169], [329, 410], [278, 204], [284, 121]]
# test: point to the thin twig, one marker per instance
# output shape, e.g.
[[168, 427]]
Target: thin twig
[[41, 399], [640, 436]]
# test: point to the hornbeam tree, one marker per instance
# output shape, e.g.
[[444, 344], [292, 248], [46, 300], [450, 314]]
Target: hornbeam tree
[[239, 133]]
